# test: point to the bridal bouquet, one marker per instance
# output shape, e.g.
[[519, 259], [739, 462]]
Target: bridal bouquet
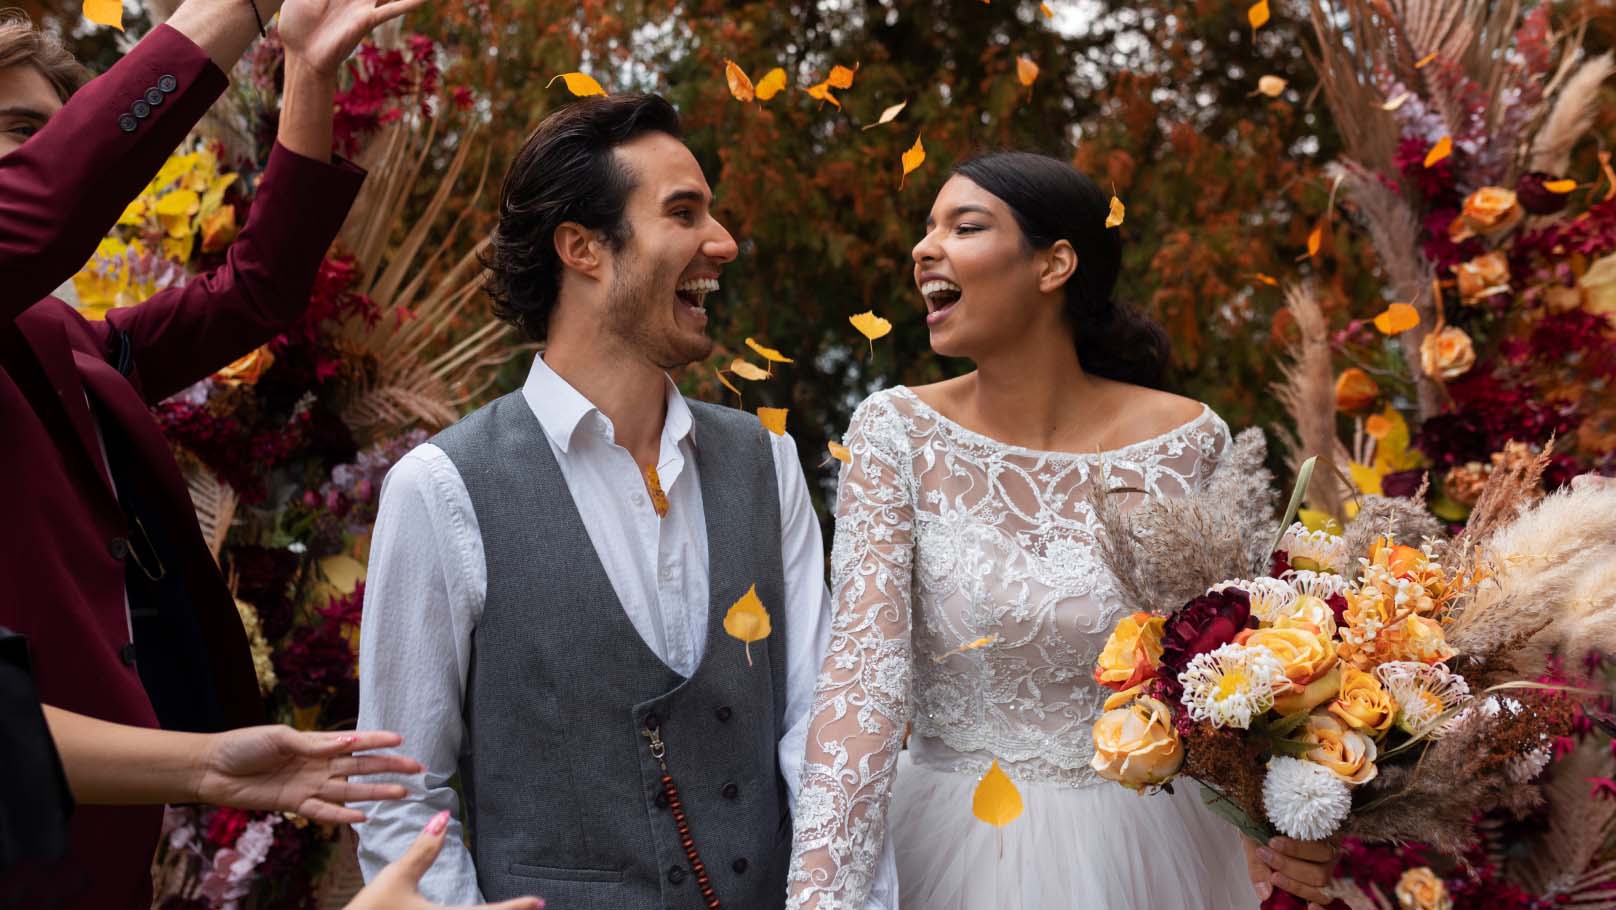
[[1373, 680]]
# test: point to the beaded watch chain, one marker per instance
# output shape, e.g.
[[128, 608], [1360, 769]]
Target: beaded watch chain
[[659, 751]]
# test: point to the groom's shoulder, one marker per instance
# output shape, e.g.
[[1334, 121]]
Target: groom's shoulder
[[730, 423]]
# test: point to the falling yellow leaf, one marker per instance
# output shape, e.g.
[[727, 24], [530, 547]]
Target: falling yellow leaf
[[1397, 102], [771, 84], [1272, 86], [1269, 280], [996, 801], [579, 84], [822, 92], [748, 371], [1397, 319], [740, 85], [841, 77], [1442, 149], [1118, 212], [839, 452], [774, 419], [1026, 71], [1560, 186], [105, 12], [769, 354], [748, 621], [1048, 13], [982, 642], [889, 115], [1425, 61], [1257, 15], [1315, 239], [912, 159], [870, 326], [653, 486], [726, 384]]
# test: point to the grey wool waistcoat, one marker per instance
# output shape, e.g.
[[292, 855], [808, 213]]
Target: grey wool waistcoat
[[563, 797]]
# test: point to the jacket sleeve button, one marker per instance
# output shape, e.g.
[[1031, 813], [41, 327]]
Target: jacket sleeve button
[[140, 109], [154, 96], [127, 123], [168, 85]]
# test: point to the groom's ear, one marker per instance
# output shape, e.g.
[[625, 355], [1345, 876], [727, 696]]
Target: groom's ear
[[1059, 263], [579, 248]]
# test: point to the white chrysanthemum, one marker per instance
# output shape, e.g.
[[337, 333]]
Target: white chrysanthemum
[[1232, 685], [1270, 597], [1424, 693], [1323, 585], [1303, 800], [1319, 551]]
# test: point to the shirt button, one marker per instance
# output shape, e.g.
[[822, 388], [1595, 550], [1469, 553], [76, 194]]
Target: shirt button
[[638, 499], [127, 654], [740, 866], [118, 547], [168, 85], [676, 874], [128, 123], [730, 791], [723, 714], [667, 573], [154, 96]]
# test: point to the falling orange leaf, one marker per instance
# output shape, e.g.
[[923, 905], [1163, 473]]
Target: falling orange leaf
[[982, 642], [748, 371], [579, 84], [1026, 71], [1048, 13], [841, 77], [769, 354], [1442, 149], [997, 801], [1315, 239], [772, 83], [1397, 102], [1425, 61], [653, 485], [1117, 213], [1397, 319], [914, 158], [774, 419], [839, 452], [889, 115], [1272, 86], [822, 92], [740, 85], [105, 12], [1269, 280], [726, 384], [1560, 186], [1257, 15], [748, 621], [870, 326]]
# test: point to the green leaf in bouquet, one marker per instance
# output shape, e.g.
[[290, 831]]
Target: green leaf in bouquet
[[1448, 510], [1292, 747], [1281, 727], [1304, 476], [1228, 810]]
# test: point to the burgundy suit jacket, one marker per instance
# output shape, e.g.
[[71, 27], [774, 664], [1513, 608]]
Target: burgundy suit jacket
[[63, 536]]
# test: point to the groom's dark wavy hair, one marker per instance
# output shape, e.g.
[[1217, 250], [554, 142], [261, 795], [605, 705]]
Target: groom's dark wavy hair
[[566, 171], [1053, 201]]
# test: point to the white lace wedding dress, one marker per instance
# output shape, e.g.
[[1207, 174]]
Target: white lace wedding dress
[[945, 537]]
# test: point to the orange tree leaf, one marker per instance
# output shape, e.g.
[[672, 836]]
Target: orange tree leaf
[[105, 12], [870, 326], [1560, 186], [889, 115], [914, 158], [1118, 212], [653, 485], [1257, 15], [748, 621], [1425, 61], [1272, 86], [739, 84], [769, 354], [1269, 280], [1315, 239], [1048, 13], [579, 84], [839, 452], [771, 84], [1442, 149], [822, 92], [841, 77], [1026, 71], [1397, 319], [774, 419], [749, 371], [727, 384], [996, 800]]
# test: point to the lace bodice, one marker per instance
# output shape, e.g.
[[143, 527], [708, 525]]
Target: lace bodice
[[970, 601]]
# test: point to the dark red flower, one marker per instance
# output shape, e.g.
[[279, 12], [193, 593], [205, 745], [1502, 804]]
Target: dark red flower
[[225, 827], [1205, 623], [1279, 563], [1536, 200], [1402, 483]]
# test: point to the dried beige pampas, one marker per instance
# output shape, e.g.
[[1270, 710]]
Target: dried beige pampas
[[1572, 116], [1403, 519], [1308, 395], [1577, 829]]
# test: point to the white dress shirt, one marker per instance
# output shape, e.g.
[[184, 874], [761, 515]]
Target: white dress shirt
[[428, 579]]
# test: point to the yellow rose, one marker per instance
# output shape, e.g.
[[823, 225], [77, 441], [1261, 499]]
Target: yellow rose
[[1309, 612], [1420, 889], [1364, 705], [1425, 641], [1305, 654], [1136, 745], [1447, 353], [1481, 277], [1131, 653], [1350, 754], [1489, 210]]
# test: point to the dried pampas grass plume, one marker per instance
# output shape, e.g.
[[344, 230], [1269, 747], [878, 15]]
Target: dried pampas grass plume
[[1308, 395], [1403, 519], [1572, 116]]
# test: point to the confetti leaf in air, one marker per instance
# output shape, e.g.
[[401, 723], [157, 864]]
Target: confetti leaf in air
[[889, 115], [105, 12], [748, 621], [1117, 213], [728, 385], [1560, 186], [1315, 239], [1397, 102], [912, 159], [774, 419], [579, 84], [769, 354], [1397, 319], [740, 85], [1272, 86], [1425, 61], [982, 642], [870, 326], [1026, 71], [996, 801], [1048, 13], [1269, 280], [822, 92], [839, 452], [1257, 15], [1440, 151], [841, 77], [772, 83], [748, 371], [653, 485]]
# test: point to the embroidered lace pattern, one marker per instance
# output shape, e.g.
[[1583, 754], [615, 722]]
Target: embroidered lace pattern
[[945, 537]]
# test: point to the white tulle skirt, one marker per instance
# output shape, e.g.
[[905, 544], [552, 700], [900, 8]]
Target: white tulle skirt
[[1091, 848]]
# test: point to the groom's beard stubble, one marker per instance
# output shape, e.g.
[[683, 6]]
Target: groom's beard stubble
[[639, 315]]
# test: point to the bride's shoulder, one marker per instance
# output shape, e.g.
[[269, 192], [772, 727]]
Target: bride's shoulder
[[1158, 413]]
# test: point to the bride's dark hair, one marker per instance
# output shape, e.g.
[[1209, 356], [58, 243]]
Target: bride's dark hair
[[1052, 201]]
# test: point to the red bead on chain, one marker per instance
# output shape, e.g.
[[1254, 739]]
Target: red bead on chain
[[659, 751]]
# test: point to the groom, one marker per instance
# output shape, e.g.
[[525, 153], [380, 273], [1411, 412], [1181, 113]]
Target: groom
[[549, 577]]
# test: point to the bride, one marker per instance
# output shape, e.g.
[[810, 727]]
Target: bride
[[970, 602]]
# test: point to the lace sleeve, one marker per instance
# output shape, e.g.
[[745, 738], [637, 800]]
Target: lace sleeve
[[861, 702]]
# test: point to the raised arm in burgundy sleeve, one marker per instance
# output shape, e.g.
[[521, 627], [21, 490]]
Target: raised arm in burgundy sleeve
[[64, 188], [184, 334]]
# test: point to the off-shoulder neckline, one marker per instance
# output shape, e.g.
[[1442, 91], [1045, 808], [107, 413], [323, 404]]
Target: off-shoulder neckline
[[960, 429]]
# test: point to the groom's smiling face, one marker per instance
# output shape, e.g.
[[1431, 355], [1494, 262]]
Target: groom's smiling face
[[665, 274]]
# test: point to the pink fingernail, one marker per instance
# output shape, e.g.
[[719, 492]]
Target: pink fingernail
[[348, 740], [438, 823]]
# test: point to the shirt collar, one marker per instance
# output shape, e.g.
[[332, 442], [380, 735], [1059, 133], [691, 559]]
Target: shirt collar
[[562, 410]]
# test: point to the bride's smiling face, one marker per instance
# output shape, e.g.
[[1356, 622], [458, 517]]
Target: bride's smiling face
[[976, 272]]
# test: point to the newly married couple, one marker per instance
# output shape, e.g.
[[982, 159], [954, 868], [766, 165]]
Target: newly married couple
[[544, 612]]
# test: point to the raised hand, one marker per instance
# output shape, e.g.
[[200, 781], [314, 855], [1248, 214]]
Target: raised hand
[[322, 33], [281, 769], [397, 887]]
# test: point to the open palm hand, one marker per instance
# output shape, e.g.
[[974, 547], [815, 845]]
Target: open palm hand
[[322, 33], [281, 769]]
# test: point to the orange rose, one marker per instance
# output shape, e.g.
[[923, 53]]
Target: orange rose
[[1489, 210], [1350, 754], [1303, 652], [1311, 613], [247, 368], [1364, 705], [1425, 641], [1136, 745], [1447, 353], [1482, 276], [1355, 391], [1132, 653], [1420, 889]]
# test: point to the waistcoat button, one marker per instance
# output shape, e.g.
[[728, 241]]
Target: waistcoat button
[[723, 714], [731, 791], [127, 654], [661, 799], [651, 722], [676, 874], [739, 866], [118, 547]]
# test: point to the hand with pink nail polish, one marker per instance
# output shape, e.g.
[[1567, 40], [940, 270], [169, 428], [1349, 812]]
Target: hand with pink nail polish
[[397, 887], [282, 769]]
